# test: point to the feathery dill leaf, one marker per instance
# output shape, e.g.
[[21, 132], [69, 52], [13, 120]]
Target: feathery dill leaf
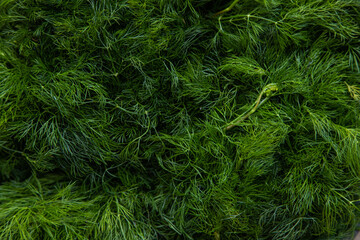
[[112, 118]]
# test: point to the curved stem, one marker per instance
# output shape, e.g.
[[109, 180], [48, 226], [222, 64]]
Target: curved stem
[[228, 9], [268, 89], [243, 117]]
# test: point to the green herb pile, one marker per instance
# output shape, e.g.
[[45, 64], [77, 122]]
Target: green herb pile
[[179, 119]]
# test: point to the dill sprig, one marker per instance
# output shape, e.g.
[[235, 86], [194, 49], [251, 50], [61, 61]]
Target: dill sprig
[[115, 119]]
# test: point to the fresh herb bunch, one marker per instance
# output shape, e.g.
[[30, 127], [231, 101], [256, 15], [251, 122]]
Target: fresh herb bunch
[[179, 119]]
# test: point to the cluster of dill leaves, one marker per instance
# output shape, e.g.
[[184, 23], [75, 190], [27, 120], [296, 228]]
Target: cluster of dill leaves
[[113, 118]]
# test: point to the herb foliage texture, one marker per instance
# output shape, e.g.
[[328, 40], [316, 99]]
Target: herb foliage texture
[[154, 119]]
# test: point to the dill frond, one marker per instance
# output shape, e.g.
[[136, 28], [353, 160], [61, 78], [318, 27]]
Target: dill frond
[[115, 119]]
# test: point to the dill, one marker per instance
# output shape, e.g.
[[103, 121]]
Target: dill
[[179, 119]]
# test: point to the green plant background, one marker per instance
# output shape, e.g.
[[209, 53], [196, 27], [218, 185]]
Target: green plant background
[[112, 116]]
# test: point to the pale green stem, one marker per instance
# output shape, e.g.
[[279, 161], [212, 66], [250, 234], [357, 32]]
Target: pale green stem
[[268, 89], [228, 9]]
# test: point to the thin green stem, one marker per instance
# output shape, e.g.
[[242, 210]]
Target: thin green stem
[[228, 9], [248, 16], [267, 90]]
